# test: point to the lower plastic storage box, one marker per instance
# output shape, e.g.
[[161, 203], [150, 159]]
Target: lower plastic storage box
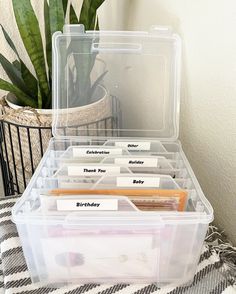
[[133, 112]]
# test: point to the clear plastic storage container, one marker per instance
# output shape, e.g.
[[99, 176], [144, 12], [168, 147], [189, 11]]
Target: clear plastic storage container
[[115, 126]]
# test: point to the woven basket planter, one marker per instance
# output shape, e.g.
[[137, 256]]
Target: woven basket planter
[[25, 135]]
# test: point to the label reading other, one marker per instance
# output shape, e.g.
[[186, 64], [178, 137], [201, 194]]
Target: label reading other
[[137, 161], [138, 182], [77, 152], [87, 204], [92, 170], [142, 146]]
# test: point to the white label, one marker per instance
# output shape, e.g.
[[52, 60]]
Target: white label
[[92, 170], [145, 146], [138, 182], [87, 204], [137, 161], [96, 151]]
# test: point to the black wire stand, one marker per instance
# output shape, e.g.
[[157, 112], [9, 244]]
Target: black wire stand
[[12, 170]]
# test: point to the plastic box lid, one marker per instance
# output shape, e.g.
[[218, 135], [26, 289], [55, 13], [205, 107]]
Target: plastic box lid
[[116, 83]]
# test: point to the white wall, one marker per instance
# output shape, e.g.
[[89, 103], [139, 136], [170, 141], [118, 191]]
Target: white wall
[[208, 109]]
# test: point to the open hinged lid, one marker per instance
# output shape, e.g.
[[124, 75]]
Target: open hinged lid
[[113, 83]]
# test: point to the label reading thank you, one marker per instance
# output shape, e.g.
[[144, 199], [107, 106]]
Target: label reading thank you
[[74, 170]]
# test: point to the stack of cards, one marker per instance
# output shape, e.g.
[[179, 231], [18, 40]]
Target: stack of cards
[[150, 175]]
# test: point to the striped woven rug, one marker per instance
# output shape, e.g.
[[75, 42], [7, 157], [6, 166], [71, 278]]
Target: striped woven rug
[[216, 272]]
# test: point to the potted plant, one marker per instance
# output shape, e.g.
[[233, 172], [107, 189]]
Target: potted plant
[[26, 110]]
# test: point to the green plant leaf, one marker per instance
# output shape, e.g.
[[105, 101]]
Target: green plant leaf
[[84, 62], [48, 37], [73, 16], [88, 13], [30, 33], [30, 80], [64, 3], [83, 65], [17, 65], [13, 74], [27, 76], [40, 99], [56, 13], [48, 103], [9, 41], [97, 26], [24, 99], [96, 83]]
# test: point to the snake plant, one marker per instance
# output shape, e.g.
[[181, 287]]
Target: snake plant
[[30, 89]]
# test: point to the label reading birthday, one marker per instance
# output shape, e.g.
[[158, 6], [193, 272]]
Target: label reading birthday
[[87, 204]]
